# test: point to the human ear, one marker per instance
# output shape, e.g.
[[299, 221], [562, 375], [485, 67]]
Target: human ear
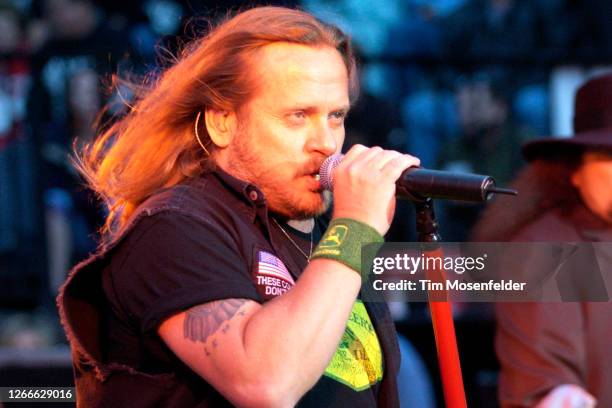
[[221, 126]]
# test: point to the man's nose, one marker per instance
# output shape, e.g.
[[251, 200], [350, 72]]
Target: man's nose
[[323, 139]]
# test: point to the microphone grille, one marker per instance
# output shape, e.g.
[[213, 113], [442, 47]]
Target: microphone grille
[[326, 173]]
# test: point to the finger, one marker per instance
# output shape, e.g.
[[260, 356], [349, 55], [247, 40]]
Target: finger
[[360, 158], [373, 155], [376, 162], [394, 168], [354, 153]]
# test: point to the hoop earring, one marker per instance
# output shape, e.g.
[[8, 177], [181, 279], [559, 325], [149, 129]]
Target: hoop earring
[[197, 135]]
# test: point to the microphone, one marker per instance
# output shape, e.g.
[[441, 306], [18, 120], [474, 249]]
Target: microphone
[[419, 184]]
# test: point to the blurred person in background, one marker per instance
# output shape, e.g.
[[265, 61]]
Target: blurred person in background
[[81, 47], [488, 143], [21, 246], [510, 34], [558, 354], [14, 82], [71, 216]]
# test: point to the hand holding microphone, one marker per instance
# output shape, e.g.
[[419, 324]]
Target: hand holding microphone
[[364, 184], [418, 184]]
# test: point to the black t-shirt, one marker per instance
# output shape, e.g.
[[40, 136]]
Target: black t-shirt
[[327, 385], [172, 261]]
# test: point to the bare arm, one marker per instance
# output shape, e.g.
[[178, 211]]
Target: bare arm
[[267, 355]]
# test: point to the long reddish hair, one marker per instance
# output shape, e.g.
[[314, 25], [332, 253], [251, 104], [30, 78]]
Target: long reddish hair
[[154, 145]]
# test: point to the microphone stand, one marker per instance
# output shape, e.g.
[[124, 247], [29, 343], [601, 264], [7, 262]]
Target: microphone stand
[[441, 311]]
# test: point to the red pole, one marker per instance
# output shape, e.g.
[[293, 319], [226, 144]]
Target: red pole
[[446, 341]]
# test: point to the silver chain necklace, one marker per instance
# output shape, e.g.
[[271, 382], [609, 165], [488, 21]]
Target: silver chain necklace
[[307, 256]]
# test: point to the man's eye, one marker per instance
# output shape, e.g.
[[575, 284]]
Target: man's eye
[[296, 118], [338, 116]]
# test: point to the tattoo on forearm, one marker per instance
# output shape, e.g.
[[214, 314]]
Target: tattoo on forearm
[[203, 321]]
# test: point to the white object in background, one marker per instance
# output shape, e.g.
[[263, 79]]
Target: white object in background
[[564, 82], [567, 396]]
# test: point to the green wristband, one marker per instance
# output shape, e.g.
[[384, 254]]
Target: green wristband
[[343, 241]]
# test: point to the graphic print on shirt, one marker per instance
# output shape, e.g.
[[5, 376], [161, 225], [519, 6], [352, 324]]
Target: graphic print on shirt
[[358, 359], [271, 276]]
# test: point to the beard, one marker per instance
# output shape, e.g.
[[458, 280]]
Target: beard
[[284, 183]]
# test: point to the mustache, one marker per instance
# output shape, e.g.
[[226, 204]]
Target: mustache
[[312, 166]]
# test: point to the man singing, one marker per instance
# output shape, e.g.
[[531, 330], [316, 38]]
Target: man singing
[[209, 288]]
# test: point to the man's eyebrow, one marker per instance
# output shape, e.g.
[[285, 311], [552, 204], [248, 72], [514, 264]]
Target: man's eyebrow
[[312, 108], [300, 107], [344, 108]]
